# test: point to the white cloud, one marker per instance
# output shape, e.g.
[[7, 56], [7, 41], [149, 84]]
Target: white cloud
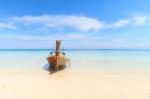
[[120, 23], [4, 25], [74, 36], [117, 40], [75, 23], [138, 20], [24, 37], [80, 23], [28, 37]]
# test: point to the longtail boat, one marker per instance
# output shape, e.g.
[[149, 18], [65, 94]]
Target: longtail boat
[[57, 59]]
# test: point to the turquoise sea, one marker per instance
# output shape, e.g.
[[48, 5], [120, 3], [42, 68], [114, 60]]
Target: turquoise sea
[[99, 60]]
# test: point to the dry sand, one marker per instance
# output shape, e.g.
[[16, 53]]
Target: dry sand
[[73, 85]]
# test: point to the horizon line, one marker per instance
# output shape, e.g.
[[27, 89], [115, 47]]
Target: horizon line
[[76, 49]]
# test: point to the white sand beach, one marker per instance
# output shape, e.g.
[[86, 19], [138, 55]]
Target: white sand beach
[[73, 85]]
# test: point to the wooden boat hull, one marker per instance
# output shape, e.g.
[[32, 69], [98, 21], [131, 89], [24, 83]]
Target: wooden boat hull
[[57, 61]]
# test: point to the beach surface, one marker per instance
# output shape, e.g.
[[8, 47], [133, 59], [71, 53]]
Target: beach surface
[[73, 85], [93, 74]]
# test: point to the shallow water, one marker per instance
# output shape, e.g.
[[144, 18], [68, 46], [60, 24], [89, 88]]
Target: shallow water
[[81, 60]]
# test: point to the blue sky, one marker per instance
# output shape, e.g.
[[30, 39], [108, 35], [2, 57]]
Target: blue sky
[[78, 23]]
